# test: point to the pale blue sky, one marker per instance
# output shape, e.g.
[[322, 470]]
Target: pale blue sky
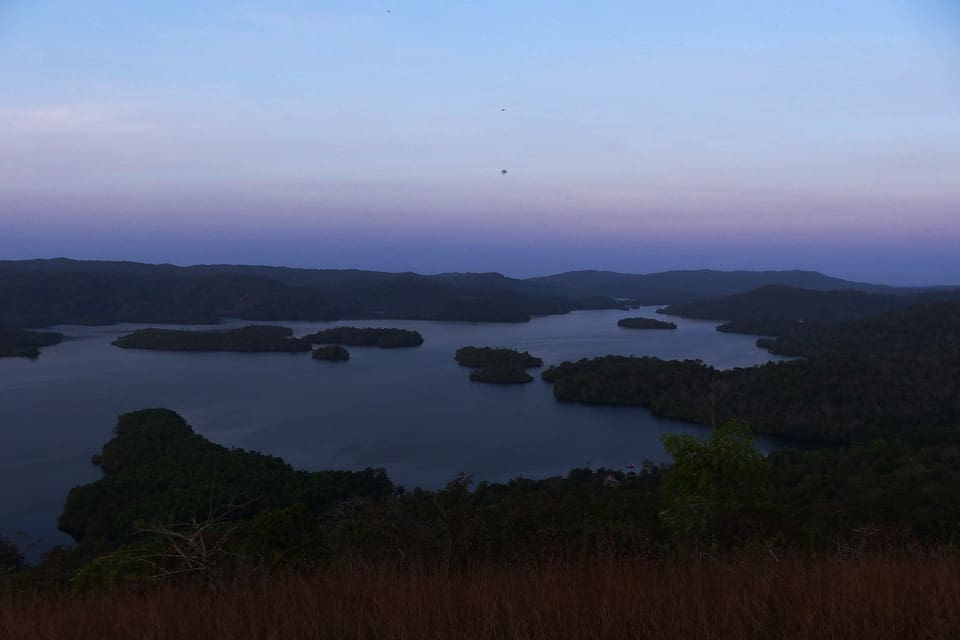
[[638, 136]]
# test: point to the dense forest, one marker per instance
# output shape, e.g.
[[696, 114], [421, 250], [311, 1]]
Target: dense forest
[[918, 328], [366, 337], [493, 356], [645, 323], [497, 365], [38, 293], [157, 469], [252, 338], [776, 309], [890, 374], [26, 344], [229, 509], [835, 397]]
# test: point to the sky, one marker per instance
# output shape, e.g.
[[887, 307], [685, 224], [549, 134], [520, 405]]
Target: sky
[[637, 136]]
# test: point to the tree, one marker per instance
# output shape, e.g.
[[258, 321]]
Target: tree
[[716, 493], [10, 557]]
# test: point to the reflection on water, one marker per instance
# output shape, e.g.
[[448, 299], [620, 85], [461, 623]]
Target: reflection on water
[[412, 411]]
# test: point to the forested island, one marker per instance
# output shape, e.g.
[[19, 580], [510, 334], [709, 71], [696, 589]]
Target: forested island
[[645, 323], [331, 352], [19, 343], [493, 356], [366, 337], [497, 365], [249, 339]]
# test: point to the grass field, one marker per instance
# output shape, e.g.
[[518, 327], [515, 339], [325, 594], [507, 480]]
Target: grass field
[[867, 597]]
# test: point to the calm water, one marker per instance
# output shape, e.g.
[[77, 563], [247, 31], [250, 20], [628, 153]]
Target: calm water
[[412, 411]]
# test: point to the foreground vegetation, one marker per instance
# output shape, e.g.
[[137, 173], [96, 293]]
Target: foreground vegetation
[[366, 337], [183, 538], [249, 339], [18, 343], [842, 595]]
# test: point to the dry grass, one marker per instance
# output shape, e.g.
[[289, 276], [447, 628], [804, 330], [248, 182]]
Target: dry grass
[[870, 597]]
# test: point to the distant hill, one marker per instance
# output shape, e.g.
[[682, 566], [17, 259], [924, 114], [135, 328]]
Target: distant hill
[[677, 287], [775, 309], [37, 293]]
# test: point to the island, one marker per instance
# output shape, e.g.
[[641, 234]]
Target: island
[[248, 339], [19, 343], [484, 357], [497, 365], [645, 323], [366, 337], [331, 352]]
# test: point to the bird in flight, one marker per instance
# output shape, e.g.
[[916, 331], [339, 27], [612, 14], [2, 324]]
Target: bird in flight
[[503, 172]]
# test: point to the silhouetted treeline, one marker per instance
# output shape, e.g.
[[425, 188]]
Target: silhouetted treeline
[[778, 310], [679, 287], [843, 397], [252, 338], [39, 293], [157, 469], [921, 327], [494, 356], [230, 509], [366, 336], [26, 344]]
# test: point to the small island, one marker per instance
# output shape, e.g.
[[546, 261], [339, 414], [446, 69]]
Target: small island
[[497, 365], [501, 374], [19, 343], [366, 337], [331, 352], [489, 356], [645, 323], [249, 339]]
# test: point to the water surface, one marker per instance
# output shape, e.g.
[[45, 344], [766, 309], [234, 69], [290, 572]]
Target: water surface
[[413, 411]]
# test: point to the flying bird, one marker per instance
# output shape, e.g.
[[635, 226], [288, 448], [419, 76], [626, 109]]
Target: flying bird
[[503, 172]]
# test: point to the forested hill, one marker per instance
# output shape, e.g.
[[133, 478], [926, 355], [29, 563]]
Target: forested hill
[[676, 287], [921, 327], [39, 293], [776, 310]]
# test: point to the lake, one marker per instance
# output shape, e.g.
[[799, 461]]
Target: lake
[[413, 411]]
